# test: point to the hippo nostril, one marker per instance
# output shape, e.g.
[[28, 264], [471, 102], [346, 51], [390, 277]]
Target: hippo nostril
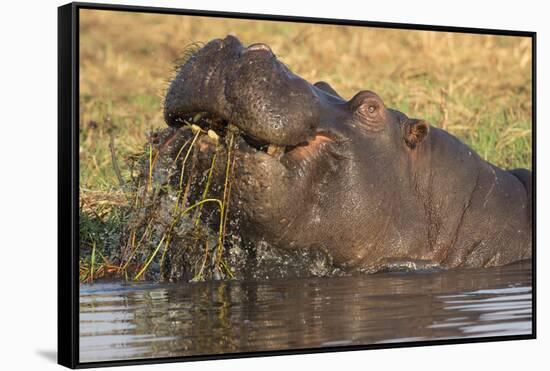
[[257, 47], [230, 40]]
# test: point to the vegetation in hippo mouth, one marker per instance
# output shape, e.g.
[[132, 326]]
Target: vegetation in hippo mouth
[[217, 127], [177, 227]]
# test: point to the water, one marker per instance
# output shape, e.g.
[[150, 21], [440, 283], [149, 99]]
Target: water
[[121, 321]]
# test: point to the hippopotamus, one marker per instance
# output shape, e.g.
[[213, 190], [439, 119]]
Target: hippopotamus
[[354, 178]]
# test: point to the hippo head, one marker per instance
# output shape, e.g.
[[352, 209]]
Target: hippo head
[[311, 167]]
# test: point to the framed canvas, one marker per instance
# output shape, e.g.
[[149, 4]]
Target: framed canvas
[[238, 185]]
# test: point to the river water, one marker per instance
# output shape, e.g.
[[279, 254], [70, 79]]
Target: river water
[[134, 321]]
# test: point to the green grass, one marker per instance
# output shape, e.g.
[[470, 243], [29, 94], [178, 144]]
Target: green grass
[[99, 237]]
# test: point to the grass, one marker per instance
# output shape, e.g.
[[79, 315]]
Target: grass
[[478, 87], [123, 236]]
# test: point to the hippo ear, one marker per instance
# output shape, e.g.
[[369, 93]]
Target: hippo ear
[[414, 132], [325, 86]]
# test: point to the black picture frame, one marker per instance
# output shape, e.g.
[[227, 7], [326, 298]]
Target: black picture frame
[[68, 180]]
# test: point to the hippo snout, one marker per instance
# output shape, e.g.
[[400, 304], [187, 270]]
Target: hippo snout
[[245, 86]]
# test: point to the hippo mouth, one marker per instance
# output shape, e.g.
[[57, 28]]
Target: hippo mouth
[[218, 130], [225, 86]]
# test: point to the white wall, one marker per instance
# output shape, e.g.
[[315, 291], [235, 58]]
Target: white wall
[[28, 182]]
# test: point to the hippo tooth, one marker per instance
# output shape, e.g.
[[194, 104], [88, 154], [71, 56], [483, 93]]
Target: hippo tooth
[[212, 135], [196, 129], [274, 150]]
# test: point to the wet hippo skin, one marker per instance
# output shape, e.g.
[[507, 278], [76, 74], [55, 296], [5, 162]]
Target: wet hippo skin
[[354, 178]]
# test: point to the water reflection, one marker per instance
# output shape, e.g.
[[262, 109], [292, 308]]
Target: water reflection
[[120, 321]]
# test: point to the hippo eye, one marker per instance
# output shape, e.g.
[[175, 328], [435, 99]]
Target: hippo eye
[[370, 109]]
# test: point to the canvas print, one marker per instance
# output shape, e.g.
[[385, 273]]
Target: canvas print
[[257, 186]]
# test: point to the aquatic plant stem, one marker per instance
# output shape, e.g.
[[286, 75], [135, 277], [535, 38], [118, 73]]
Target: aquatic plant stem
[[147, 228], [181, 196], [150, 259], [207, 188], [186, 157], [227, 185], [225, 205]]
